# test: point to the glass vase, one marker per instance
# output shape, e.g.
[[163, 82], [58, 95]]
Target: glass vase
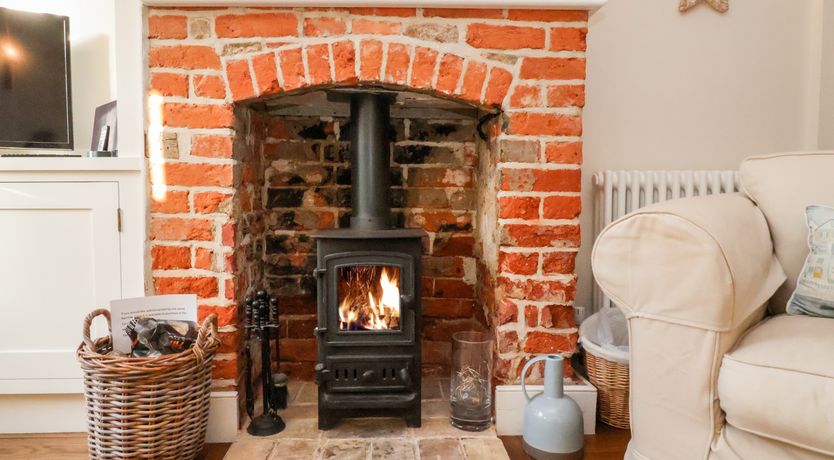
[[471, 385]]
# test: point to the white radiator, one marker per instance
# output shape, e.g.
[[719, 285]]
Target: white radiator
[[617, 193]]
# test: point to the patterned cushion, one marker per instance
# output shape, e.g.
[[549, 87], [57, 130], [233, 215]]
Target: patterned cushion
[[814, 294]]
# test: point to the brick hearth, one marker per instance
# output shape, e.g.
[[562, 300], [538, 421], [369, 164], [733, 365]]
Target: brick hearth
[[245, 189], [374, 439]]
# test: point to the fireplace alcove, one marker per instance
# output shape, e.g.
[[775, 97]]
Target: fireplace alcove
[[294, 181], [254, 160]]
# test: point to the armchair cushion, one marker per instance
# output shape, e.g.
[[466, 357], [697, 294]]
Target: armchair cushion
[[778, 382], [782, 186]]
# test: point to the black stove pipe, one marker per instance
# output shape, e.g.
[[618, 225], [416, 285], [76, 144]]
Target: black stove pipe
[[370, 167]]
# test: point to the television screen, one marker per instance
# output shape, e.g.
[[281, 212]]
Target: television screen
[[35, 102]]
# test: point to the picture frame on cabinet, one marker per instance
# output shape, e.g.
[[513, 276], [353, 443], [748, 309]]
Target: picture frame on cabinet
[[104, 139]]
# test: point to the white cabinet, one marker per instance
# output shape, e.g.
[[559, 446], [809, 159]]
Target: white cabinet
[[59, 258], [61, 255]]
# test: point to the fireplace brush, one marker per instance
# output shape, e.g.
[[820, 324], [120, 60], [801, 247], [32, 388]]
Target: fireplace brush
[[261, 320]]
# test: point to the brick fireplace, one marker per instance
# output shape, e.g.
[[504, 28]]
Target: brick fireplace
[[485, 157]]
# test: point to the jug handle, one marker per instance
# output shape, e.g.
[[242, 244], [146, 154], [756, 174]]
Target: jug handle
[[524, 373]]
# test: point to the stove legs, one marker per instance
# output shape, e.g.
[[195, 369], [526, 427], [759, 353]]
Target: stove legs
[[327, 422], [413, 420]]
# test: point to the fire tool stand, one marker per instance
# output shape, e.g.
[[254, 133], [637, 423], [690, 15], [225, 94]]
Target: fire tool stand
[[261, 319]]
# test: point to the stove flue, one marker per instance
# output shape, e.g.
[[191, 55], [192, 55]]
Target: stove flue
[[370, 147]]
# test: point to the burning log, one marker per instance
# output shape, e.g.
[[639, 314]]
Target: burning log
[[370, 298]]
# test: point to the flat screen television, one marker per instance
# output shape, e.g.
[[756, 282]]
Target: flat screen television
[[35, 96]]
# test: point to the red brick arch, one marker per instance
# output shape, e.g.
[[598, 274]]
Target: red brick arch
[[321, 64], [367, 61]]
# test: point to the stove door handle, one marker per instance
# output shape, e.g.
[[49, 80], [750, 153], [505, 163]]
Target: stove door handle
[[406, 300]]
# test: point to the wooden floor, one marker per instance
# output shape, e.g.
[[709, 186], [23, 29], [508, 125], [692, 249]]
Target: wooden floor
[[68, 446], [608, 444]]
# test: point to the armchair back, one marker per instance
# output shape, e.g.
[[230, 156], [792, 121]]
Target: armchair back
[[782, 185]]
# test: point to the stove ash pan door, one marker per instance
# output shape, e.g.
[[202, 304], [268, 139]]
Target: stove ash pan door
[[370, 373], [368, 299]]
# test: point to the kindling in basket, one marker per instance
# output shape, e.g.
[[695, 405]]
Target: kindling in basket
[[147, 407]]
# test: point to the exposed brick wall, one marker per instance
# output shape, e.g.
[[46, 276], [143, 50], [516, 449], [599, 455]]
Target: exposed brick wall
[[209, 63]]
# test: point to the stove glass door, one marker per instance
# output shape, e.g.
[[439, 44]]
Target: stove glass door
[[369, 298]]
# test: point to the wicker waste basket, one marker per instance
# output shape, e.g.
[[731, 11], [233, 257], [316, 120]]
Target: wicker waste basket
[[154, 408], [608, 372]]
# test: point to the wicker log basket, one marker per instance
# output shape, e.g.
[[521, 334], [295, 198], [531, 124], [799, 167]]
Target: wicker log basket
[[154, 408], [611, 380]]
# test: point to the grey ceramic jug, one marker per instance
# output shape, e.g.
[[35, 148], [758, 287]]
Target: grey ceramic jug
[[553, 427]]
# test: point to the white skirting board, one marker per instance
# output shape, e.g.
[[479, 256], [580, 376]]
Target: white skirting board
[[36, 414], [222, 425], [42, 413], [510, 404]]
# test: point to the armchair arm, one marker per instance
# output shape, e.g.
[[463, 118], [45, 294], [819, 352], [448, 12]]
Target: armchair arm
[[705, 262], [691, 276]]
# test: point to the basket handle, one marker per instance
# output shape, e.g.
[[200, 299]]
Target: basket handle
[[88, 321], [207, 334]]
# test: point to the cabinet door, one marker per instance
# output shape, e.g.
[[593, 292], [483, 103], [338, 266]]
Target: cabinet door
[[59, 259]]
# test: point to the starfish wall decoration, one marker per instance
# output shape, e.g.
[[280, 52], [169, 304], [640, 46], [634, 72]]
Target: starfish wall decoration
[[718, 5]]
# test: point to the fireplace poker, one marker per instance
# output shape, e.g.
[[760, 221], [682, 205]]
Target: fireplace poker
[[250, 389]]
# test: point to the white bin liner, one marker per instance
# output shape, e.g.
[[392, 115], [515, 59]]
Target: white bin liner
[[605, 334]]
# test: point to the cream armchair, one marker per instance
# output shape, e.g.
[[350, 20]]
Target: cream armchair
[[711, 377]]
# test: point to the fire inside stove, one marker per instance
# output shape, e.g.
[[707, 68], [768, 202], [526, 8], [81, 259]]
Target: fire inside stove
[[370, 298]]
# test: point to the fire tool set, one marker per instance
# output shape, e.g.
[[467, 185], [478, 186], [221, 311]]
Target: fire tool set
[[261, 321]]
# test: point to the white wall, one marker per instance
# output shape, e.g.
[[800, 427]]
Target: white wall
[[92, 51], [699, 90], [826, 124]]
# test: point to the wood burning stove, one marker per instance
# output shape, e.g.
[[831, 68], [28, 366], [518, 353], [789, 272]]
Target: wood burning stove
[[368, 279]]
